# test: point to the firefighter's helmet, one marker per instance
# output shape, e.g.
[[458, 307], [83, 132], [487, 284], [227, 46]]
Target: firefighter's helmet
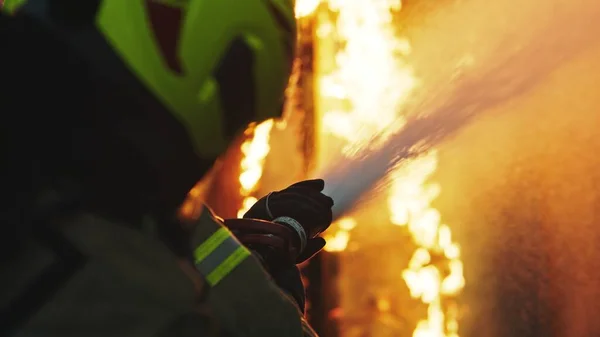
[[216, 65]]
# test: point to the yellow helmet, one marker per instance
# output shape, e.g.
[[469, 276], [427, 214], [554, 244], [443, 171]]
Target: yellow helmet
[[215, 65]]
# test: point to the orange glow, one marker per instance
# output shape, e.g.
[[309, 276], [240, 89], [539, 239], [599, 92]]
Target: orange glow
[[337, 241], [255, 150]]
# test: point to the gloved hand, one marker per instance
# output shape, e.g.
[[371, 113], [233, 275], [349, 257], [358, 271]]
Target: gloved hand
[[302, 207]]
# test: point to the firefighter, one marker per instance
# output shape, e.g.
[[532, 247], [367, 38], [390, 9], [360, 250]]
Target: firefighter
[[112, 110]]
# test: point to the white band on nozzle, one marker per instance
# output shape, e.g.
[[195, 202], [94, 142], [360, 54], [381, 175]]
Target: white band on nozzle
[[297, 227]]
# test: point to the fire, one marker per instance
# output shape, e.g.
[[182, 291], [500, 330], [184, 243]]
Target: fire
[[410, 204], [374, 90], [306, 7], [338, 240], [360, 96], [255, 150]]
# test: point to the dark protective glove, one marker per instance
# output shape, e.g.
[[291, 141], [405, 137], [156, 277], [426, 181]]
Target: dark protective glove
[[289, 279], [302, 207]]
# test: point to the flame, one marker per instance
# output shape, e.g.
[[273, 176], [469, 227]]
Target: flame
[[370, 75], [361, 96], [410, 204], [306, 7], [338, 240], [255, 150]]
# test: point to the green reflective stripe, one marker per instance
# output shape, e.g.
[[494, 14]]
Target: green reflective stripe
[[227, 266], [208, 246], [219, 255], [212, 261]]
